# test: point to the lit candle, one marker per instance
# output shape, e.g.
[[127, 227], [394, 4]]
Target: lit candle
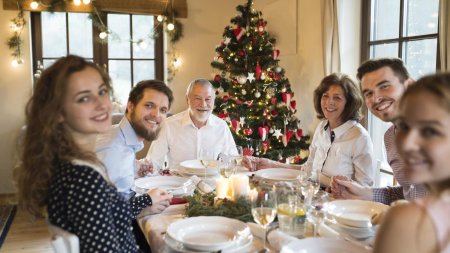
[[222, 185], [252, 194], [240, 184]]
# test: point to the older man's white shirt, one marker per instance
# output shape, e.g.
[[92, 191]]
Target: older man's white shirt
[[180, 140]]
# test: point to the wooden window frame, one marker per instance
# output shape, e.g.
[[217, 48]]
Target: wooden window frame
[[100, 51]]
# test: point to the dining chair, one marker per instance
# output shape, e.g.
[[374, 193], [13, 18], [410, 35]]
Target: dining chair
[[63, 241]]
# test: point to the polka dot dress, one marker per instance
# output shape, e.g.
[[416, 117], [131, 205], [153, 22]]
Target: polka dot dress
[[82, 202]]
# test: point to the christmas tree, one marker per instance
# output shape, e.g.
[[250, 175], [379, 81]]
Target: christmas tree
[[253, 95]]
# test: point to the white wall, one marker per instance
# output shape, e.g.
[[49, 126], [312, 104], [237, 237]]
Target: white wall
[[15, 88]]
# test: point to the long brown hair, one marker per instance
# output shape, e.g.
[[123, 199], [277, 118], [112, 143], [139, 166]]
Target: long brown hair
[[46, 140], [438, 85]]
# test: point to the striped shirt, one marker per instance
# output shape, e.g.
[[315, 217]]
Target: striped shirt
[[405, 190]]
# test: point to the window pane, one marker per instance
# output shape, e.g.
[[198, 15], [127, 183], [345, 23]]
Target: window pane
[[120, 72], [48, 63], [421, 17], [80, 35], [420, 57], [384, 50], [142, 32], [119, 41], [54, 42], [143, 70], [385, 21]]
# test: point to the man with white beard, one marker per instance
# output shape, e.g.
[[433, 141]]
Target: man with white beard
[[183, 135]]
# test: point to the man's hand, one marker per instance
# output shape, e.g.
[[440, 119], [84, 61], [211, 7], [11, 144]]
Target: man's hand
[[145, 167], [160, 200], [254, 163], [351, 190]]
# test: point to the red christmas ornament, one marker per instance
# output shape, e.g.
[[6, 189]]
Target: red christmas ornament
[[258, 71], [239, 32], [263, 132], [275, 54], [248, 131], [248, 151], [299, 134], [274, 113], [223, 115], [241, 53], [225, 98], [261, 27], [236, 124], [238, 102], [217, 78], [273, 100]]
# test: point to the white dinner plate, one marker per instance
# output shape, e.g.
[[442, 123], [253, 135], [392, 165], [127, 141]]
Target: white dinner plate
[[178, 186], [208, 233], [195, 167], [323, 245], [278, 174], [354, 213]]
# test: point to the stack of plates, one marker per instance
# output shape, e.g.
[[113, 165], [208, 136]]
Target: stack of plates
[[195, 167], [178, 186], [208, 233], [320, 245], [279, 174], [354, 216]]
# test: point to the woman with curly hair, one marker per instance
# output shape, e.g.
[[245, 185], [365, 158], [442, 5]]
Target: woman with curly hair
[[60, 176]]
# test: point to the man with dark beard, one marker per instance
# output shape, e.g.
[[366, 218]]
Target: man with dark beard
[[148, 104]]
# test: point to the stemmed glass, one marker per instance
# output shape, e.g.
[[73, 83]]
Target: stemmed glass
[[227, 165], [240, 154], [205, 157], [316, 213], [264, 210]]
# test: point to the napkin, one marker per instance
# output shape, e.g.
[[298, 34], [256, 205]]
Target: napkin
[[177, 201], [276, 238]]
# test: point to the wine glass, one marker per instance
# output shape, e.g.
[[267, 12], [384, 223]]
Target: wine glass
[[227, 165], [264, 210], [240, 154], [205, 157], [316, 213]]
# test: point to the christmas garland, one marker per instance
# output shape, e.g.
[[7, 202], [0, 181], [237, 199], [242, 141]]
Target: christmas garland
[[203, 205], [15, 42]]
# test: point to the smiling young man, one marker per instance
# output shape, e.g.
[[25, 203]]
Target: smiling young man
[[183, 135], [383, 82], [148, 104]]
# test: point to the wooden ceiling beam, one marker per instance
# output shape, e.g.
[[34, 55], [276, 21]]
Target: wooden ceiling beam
[[149, 7]]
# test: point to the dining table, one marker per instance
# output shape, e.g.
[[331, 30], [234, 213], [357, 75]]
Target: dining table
[[154, 227]]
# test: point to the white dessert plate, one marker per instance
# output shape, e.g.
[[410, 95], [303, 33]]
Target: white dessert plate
[[195, 167], [354, 213], [208, 233], [323, 245], [178, 186], [278, 174]]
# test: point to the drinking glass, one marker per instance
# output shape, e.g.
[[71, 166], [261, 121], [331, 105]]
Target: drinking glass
[[290, 210], [227, 165], [206, 156], [264, 210], [240, 154], [316, 213]]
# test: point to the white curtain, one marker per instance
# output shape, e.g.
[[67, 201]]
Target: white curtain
[[444, 35], [330, 35]]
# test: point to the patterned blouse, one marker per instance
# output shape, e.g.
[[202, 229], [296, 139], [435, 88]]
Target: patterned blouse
[[82, 202]]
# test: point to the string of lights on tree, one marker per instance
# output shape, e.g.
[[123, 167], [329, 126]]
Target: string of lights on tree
[[253, 95], [173, 28]]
